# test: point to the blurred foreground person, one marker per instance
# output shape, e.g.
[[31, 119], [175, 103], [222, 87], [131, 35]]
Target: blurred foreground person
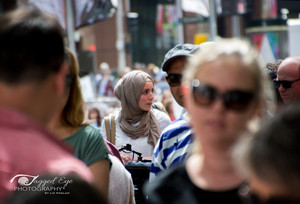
[[223, 87], [270, 160], [110, 176], [32, 86], [175, 143], [86, 140]]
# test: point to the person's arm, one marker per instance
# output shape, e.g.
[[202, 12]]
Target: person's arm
[[100, 171], [103, 130], [95, 155]]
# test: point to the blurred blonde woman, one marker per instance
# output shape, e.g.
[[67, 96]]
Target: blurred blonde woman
[[224, 90]]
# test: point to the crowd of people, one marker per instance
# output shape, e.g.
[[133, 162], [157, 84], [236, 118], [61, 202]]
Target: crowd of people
[[236, 139]]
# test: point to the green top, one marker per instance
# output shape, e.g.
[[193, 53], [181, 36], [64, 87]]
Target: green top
[[88, 144]]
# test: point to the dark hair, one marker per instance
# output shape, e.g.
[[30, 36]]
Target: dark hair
[[98, 119], [271, 69], [274, 152], [31, 45]]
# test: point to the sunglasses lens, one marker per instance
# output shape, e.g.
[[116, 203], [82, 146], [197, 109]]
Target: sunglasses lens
[[286, 84], [174, 79], [237, 100], [204, 95]]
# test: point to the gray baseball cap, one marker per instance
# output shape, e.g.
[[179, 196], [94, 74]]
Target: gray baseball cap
[[178, 51]]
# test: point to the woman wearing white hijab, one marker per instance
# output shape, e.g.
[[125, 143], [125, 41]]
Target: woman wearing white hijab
[[137, 123]]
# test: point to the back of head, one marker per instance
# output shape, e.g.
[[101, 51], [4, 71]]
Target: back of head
[[32, 45], [273, 154]]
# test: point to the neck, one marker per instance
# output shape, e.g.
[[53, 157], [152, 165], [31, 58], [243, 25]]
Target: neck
[[59, 130], [24, 98], [213, 171]]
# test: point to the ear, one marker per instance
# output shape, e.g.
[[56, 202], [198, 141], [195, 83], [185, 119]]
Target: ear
[[59, 79]]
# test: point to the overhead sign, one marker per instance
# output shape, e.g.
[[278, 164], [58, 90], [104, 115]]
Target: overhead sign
[[193, 20]]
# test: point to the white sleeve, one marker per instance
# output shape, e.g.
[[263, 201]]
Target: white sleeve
[[162, 118], [103, 129]]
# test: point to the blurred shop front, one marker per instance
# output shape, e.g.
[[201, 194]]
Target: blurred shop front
[[268, 32], [155, 32], [270, 38]]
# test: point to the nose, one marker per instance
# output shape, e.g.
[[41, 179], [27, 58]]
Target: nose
[[281, 88], [218, 105], [151, 95]]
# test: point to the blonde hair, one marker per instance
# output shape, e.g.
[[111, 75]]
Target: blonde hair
[[73, 112], [243, 52]]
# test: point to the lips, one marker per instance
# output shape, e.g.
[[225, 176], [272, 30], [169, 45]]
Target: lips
[[283, 96], [216, 124]]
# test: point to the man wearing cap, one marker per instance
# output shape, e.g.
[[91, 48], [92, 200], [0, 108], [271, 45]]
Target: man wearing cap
[[175, 141]]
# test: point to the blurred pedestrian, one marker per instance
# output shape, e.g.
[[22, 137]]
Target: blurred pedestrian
[[175, 142], [223, 88], [32, 87], [94, 116], [270, 160], [104, 81], [86, 140]]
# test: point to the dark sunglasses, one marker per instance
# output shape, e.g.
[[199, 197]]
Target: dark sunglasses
[[174, 79], [206, 95], [285, 84]]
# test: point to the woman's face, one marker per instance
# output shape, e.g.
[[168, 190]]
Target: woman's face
[[147, 96], [215, 124], [93, 114]]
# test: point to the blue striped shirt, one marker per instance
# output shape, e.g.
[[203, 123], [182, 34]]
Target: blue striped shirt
[[173, 146]]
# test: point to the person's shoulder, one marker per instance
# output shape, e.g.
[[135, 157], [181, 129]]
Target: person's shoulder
[[115, 114], [90, 129], [175, 125], [160, 115], [90, 132], [167, 179], [173, 172], [158, 112], [69, 164]]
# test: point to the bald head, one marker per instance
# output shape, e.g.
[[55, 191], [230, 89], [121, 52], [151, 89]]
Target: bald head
[[289, 70]]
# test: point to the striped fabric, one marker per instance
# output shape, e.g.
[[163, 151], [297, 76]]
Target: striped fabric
[[172, 147]]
